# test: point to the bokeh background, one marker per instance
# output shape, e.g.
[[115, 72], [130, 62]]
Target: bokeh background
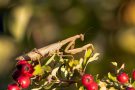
[[108, 24]]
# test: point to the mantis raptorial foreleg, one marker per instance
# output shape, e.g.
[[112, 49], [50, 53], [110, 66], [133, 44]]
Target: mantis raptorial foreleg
[[70, 46], [77, 50]]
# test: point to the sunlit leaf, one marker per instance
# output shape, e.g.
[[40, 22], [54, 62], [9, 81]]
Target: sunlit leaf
[[50, 60], [121, 68], [81, 88], [73, 63], [55, 70], [38, 70], [111, 77], [64, 72], [97, 78], [133, 84], [102, 85], [93, 58], [112, 88], [49, 85], [80, 63], [47, 68], [114, 63], [88, 53]]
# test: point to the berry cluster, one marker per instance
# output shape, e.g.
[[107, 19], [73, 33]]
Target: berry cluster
[[88, 82], [21, 75], [63, 72], [123, 78]]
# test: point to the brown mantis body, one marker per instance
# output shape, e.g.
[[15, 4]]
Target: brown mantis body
[[37, 54]]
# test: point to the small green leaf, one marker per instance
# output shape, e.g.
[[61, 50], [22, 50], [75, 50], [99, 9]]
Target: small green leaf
[[112, 88], [88, 53], [50, 60], [54, 71], [80, 63], [114, 63], [76, 62], [111, 77], [93, 58], [133, 84], [73, 63], [97, 78], [81, 88], [121, 68], [47, 68], [49, 85], [64, 72], [38, 70]]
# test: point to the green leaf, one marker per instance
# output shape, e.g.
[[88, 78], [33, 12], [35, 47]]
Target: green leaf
[[111, 77], [47, 68], [79, 65], [88, 53], [97, 78], [93, 58], [39, 84], [73, 63], [49, 85], [64, 72], [56, 68], [59, 73], [38, 70], [112, 88], [114, 63], [50, 60], [133, 84], [54, 71], [81, 88]]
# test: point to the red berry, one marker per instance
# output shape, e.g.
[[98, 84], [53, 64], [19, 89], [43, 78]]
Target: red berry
[[133, 75], [22, 62], [27, 69], [23, 81], [13, 86], [87, 79], [123, 78], [16, 74], [130, 88], [92, 86]]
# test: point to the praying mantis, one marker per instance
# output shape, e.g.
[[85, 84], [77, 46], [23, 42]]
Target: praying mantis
[[49, 50]]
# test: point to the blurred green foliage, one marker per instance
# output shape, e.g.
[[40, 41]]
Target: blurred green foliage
[[108, 24]]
